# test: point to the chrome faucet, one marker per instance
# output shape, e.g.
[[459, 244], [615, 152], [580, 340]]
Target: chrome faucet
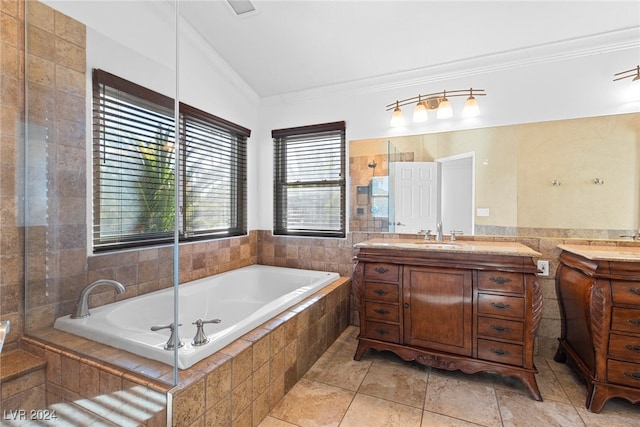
[[82, 306], [5, 326], [427, 234], [173, 338], [201, 338], [439, 231], [634, 236], [454, 233]]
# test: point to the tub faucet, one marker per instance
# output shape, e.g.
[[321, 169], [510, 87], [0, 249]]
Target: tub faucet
[[173, 338], [439, 231], [4, 331], [82, 306], [201, 338]]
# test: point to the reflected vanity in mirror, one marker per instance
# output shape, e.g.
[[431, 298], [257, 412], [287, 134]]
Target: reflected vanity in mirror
[[568, 178]]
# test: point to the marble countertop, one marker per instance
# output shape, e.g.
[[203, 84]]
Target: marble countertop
[[459, 246], [605, 253]]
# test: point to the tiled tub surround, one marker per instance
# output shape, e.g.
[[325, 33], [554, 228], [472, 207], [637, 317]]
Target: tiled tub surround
[[239, 385], [231, 304]]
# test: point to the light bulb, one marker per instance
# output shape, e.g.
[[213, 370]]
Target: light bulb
[[396, 117], [444, 109], [420, 113], [471, 108]]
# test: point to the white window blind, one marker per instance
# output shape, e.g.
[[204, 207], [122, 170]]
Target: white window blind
[[309, 180]]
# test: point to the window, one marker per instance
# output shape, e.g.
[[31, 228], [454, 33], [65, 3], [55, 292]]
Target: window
[[134, 169], [309, 180]]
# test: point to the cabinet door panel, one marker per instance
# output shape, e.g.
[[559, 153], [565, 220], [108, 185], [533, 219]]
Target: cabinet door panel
[[437, 309]]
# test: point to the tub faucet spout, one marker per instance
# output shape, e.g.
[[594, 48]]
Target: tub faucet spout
[[5, 326], [82, 306]]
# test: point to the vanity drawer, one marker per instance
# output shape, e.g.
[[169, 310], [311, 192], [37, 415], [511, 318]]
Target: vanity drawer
[[625, 292], [381, 291], [500, 328], [500, 352], [382, 271], [623, 373], [501, 281], [379, 311], [625, 319], [625, 346], [383, 332], [499, 305]]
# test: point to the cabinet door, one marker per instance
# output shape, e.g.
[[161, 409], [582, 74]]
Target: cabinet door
[[437, 309]]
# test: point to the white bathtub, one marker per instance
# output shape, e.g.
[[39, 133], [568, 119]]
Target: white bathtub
[[242, 299]]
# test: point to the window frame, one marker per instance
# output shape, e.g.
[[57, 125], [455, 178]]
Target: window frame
[[237, 152], [281, 184]]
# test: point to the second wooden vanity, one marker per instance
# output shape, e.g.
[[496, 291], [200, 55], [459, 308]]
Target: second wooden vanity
[[598, 291], [469, 306]]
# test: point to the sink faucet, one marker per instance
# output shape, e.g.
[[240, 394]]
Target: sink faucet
[[454, 233], [634, 236], [439, 231], [82, 306]]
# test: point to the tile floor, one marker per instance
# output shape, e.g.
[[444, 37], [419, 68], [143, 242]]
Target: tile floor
[[383, 390]]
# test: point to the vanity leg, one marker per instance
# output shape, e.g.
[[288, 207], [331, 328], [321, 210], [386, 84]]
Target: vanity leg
[[360, 350], [529, 380], [596, 398], [560, 356]]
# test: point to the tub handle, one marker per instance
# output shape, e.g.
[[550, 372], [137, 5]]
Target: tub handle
[[170, 344], [201, 338]]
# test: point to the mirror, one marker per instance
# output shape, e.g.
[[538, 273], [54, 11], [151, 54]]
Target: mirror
[[571, 178]]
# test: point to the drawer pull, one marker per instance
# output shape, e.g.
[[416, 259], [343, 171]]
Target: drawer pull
[[500, 328], [634, 375], [635, 348], [381, 311], [500, 306], [381, 270], [635, 291], [499, 352], [634, 321], [500, 280], [406, 305], [382, 331], [381, 292]]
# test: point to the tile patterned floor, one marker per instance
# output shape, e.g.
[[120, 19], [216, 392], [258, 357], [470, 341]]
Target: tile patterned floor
[[383, 390]]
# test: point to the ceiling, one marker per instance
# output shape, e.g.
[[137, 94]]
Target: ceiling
[[290, 46]]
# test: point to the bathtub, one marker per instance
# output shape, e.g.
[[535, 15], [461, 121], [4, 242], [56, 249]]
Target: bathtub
[[242, 299]]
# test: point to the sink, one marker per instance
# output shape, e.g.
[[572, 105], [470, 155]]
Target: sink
[[442, 245]]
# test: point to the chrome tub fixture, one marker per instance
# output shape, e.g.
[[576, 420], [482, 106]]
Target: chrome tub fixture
[[82, 306]]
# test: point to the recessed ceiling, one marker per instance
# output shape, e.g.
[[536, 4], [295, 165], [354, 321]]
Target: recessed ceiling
[[289, 46]]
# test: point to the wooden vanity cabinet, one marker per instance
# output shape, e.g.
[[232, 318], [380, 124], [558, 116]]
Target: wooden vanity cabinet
[[454, 311], [600, 311]]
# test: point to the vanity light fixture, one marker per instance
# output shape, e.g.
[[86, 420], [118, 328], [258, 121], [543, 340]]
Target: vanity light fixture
[[633, 74], [438, 101]]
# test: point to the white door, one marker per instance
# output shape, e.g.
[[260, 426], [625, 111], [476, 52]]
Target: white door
[[456, 180], [415, 196]]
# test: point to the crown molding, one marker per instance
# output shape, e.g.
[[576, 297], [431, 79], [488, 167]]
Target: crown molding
[[623, 39]]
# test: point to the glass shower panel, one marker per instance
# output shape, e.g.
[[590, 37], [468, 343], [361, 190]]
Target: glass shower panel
[[393, 155], [66, 41]]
